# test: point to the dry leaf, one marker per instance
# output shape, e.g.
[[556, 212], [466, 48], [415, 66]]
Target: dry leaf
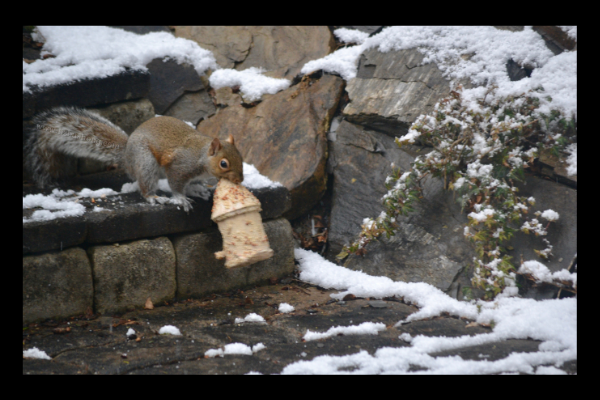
[[472, 324], [149, 305]]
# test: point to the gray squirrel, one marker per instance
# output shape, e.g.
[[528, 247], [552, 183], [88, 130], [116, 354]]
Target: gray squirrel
[[162, 146]]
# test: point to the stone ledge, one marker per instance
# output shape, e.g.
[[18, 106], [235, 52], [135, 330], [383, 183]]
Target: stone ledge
[[129, 85], [130, 218], [56, 285], [126, 275]]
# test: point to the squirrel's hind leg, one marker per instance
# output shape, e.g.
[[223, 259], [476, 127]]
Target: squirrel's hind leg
[[146, 171]]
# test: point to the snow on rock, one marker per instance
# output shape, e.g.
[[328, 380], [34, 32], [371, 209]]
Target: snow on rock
[[34, 352], [253, 84], [554, 322], [254, 180], [170, 329], [541, 273], [366, 328], [285, 308], [350, 35], [234, 348], [478, 53], [84, 52], [252, 317]]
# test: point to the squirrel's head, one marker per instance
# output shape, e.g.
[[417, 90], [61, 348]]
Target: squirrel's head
[[225, 160]]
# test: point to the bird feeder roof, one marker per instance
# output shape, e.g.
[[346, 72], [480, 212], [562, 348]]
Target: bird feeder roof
[[232, 199]]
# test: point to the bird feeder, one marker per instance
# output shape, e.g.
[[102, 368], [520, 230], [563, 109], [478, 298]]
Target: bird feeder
[[237, 213]]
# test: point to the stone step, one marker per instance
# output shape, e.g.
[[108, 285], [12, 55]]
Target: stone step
[[120, 277], [131, 217]]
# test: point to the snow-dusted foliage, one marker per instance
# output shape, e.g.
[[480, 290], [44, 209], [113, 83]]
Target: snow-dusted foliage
[[481, 147]]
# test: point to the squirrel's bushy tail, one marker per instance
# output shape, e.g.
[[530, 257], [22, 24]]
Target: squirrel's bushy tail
[[70, 131]]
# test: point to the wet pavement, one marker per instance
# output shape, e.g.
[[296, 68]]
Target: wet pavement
[[95, 344]]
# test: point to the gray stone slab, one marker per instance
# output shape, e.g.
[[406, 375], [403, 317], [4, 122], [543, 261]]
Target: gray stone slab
[[131, 217], [126, 275], [392, 89], [129, 85], [58, 234], [200, 273], [56, 285]]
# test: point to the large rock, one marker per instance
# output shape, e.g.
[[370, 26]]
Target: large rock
[[284, 136], [126, 275], [392, 89], [56, 285], [170, 81], [200, 273], [429, 246], [281, 50]]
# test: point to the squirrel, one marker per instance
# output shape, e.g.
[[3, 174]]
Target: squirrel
[[162, 146]]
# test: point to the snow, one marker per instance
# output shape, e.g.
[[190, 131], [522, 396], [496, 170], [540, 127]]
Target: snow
[[252, 317], [550, 215], [170, 329], [62, 208], [549, 371], [346, 35], [84, 52], [130, 332], [366, 328], [235, 348], [254, 180], [285, 308], [97, 193], [554, 322], [541, 273], [55, 205], [258, 347], [253, 84], [63, 203], [34, 352]]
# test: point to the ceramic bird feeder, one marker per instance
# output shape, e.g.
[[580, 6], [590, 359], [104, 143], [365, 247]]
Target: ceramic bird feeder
[[237, 213]]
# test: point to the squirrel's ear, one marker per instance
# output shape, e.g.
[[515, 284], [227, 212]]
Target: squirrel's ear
[[230, 139], [214, 147]]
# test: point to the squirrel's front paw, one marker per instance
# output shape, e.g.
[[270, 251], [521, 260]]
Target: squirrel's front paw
[[183, 201], [157, 199], [197, 190]]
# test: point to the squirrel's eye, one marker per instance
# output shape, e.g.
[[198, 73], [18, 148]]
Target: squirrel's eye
[[224, 164]]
